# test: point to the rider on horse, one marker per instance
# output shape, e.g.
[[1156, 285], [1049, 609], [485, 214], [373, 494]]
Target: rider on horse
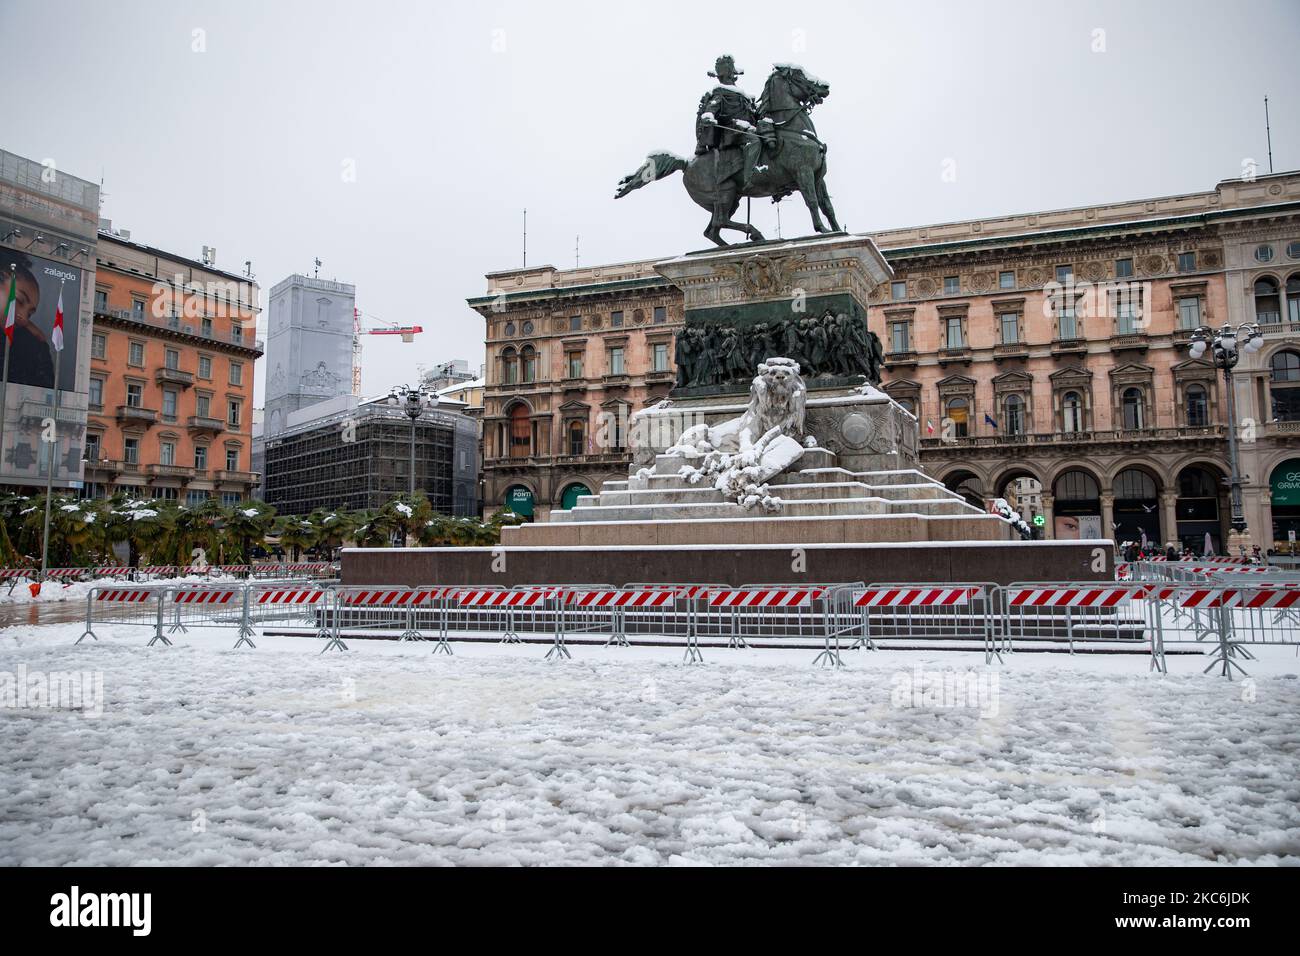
[[727, 119]]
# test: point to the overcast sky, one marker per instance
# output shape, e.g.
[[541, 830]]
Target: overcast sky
[[455, 117]]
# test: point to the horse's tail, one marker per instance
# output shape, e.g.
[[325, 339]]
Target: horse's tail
[[656, 166]]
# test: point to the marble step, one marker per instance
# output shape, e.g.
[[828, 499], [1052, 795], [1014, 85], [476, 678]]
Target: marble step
[[826, 507], [659, 493]]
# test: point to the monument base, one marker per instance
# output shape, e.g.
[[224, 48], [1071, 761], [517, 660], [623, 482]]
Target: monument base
[[1000, 562]]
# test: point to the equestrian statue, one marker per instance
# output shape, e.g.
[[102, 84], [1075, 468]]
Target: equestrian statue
[[746, 148]]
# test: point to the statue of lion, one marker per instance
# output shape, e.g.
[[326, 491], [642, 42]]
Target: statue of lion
[[776, 400], [767, 439]]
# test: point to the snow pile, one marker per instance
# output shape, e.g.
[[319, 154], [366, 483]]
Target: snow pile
[[386, 754]]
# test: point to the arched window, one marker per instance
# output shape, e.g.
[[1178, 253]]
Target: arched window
[[1284, 384], [958, 411], [1071, 412], [521, 432], [1267, 310], [528, 363], [908, 404], [1197, 483], [577, 436], [1293, 299], [1134, 484], [1131, 403], [509, 367], [1198, 406], [1014, 415], [1077, 486]]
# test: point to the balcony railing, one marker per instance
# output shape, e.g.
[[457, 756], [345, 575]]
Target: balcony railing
[[1011, 350], [134, 415], [174, 376], [240, 477], [954, 353], [1128, 341], [908, 357], [1059, 439], [204, 423], [1068, 346], [661, 375], [169, 471]]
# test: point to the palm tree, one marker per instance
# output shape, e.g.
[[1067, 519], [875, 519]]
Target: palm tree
[[296, 533], [334, 528], [246, 523], [408, 514]]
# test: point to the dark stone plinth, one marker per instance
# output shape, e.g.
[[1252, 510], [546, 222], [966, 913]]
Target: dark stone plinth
[[977, 561]]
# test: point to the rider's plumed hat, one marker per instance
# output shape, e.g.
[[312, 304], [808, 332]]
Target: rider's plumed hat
[[725, 64]]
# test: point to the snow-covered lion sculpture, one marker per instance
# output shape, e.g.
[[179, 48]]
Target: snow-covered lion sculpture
[[744, 453]]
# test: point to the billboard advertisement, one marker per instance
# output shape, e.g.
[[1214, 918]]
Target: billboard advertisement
[[26, 446]]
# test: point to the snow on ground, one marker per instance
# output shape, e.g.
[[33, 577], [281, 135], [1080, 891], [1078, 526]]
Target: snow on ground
[[388, 754]]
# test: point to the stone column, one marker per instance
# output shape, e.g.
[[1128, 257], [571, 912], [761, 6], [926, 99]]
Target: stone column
[[1108, 515], [1168, 516], [1049, 522]]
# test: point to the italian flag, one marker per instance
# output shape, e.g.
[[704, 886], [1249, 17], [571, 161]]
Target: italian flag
[[57, 335], [11, 307]]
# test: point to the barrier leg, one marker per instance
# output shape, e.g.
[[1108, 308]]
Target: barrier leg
[[1156, 618], [618, 635], [334, 641], [990, 633], [736, 639], [692, 655], [411, 633], [442, 647], [511, 636], [1227, 649], [158, 634], [245, 625], [864, 640], [90, 607], [558, 650]]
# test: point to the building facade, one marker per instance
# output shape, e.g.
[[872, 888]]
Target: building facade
[[1045, 356], [170, 382], [570, 356], [48, 237], [345, 454], [310, 328]]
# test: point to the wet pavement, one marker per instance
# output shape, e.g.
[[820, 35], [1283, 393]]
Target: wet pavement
[[41, 612]]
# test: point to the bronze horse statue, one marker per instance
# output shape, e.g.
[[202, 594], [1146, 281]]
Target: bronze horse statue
[[792, 159]]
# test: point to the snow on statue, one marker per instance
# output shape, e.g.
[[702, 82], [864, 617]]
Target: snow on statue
[[744, 453]]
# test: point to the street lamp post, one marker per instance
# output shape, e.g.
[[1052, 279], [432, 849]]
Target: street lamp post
[[1226, 346], [414, 402]]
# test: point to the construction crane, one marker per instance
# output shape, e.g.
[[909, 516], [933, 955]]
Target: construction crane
[[407, 332]]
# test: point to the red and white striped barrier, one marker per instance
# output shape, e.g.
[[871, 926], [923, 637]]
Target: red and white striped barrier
[[1073, 597], [124, 595], [620, 598], [231, 568], [475, 598], [290, 596], [112, 571], [206, 596], [760, 597], [914, 597], [7, 573], [66, 574], [385, 597], [157, 569]]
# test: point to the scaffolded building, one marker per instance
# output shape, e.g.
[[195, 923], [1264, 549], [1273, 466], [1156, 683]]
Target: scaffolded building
[[355, 456]]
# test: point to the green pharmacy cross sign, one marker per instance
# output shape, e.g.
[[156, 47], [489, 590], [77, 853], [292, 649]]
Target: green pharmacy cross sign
[[1039, 521]]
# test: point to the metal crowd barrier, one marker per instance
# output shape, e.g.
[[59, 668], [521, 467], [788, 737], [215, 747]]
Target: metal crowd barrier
[[1224, 616], [171, 609]]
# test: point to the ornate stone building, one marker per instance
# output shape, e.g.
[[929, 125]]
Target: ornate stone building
[[1044, 355], [570, 356]]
